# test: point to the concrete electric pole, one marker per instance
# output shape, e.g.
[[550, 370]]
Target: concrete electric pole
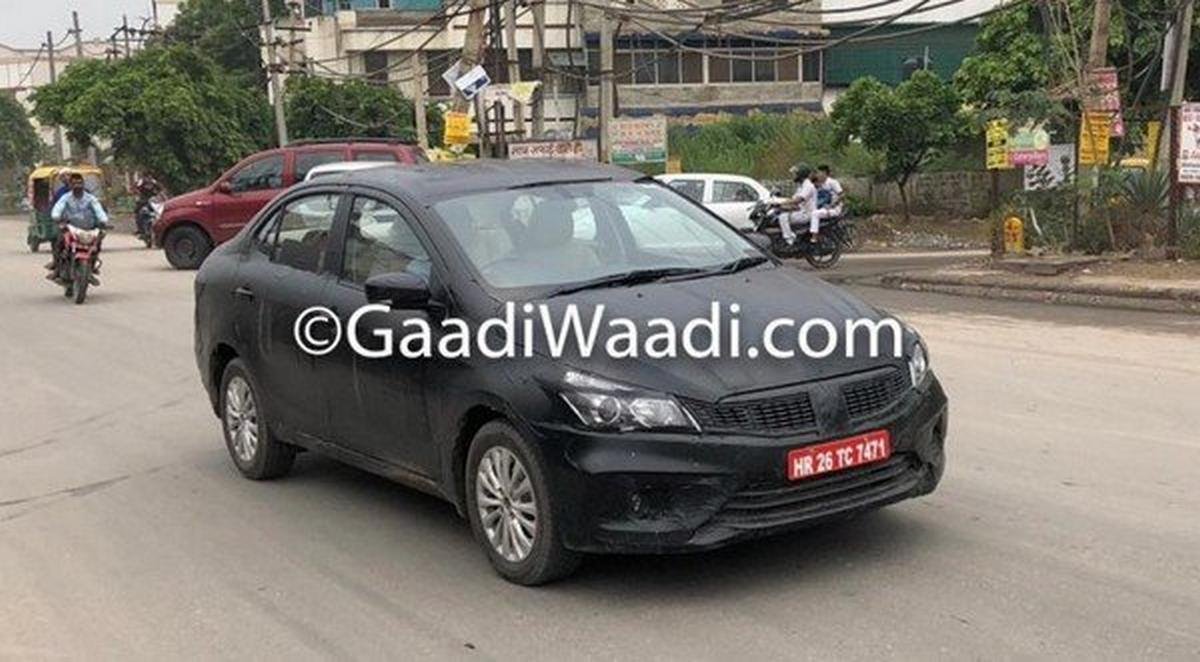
[[514, 62], [58, 132], [538, 61], [419, 77], [473, 45], [276, 89], [607, 93], [1179, 66]]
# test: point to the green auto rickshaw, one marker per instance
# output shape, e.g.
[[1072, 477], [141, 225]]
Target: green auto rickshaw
[[43, 182]]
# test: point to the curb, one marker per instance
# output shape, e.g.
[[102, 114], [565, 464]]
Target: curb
[[1169, 300]]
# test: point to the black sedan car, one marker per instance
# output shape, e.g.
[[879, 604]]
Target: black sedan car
[[553, 450]]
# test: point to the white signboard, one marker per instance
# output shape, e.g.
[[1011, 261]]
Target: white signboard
[[553, 149], [639, 140], [1059, 168], [1189, 143], [468, 83]]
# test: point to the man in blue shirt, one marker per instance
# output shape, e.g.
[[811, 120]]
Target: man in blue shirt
[[80, 209]]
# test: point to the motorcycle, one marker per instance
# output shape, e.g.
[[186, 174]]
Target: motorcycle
[[79, 260], [145, 216], [835, 237]]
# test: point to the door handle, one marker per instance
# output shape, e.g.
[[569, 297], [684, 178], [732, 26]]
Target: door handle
[[244, 292]]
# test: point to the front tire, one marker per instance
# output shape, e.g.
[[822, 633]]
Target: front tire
[[83, 274], [511, 508], [186, 247], [255, 452], [827, 254]]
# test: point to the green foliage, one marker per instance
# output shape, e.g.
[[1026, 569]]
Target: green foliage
[[1010, 57], [168, 110], [20, 146], [906, 125], [764, 146], [227, 30], [324, 108], [1189, 232]]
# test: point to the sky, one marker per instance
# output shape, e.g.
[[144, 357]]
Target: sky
[[26, 21]]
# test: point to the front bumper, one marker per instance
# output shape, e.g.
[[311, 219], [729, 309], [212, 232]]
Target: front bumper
[[659, 493]]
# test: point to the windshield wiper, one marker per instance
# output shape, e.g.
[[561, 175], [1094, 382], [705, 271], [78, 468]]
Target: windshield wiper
[[624, 279], [740, 264]]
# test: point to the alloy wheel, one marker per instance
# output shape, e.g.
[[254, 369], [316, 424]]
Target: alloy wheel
[[241, 419], [507, 507]]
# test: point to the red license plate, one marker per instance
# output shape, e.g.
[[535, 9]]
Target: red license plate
[[831, 456]]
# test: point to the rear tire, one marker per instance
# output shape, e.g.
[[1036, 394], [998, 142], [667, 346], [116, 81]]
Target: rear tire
[[518, 505], [254, 450], [829, 255], [186, 247], [33, 244]]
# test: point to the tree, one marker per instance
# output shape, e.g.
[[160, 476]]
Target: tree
[[20, 146], [1009, 57], [168, 110], [227, 30], [906, 125], [325, 108]]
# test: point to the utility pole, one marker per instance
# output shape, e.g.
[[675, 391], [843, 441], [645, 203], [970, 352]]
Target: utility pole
[[1179, 66], [276, 89], [1098, 49], [154, 13], [125, 30], [606, 86], [514, 62], [419, 76], [473, 45], [539, 62], [58, 133], [78, 34]]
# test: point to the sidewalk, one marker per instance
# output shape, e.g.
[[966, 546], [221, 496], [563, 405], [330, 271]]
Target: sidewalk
[[1107, 283]]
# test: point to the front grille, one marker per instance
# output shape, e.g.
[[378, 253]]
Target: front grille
[[788, 413], [764, 507], [873, 394]]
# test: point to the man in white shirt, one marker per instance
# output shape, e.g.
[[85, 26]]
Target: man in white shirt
[[801, 207]]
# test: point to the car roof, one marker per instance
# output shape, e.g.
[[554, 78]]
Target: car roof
[[346, 166], [428, 183]]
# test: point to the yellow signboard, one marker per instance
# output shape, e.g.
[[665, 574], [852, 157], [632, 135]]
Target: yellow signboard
[[1094, 133], [457, 129], [997, 145]]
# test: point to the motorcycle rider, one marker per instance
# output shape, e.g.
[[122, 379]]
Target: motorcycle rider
[[801, 207], [80, 209], [829, 194], [145, 188]]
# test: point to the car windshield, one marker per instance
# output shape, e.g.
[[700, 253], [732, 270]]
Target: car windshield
[[561, 234]]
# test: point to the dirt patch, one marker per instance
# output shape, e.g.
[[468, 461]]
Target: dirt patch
[[891, 232]]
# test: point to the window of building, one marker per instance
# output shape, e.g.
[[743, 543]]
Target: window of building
[[375, 66], [692, 65], [812, 65]]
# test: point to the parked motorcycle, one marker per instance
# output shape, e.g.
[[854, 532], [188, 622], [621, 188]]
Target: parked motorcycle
[[835, 237], [79, 260], [144, 217]]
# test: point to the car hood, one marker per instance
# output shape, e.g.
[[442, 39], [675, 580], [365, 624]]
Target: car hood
[[762, 295], [187, 199]]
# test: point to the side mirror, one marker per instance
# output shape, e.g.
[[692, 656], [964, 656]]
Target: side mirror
[[401, 290], [759, 239], [224, 187]]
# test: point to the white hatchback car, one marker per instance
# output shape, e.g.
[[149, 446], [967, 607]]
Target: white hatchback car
[[729, 196]]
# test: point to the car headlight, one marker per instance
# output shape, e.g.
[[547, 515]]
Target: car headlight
[[603, 405], [918, 364]]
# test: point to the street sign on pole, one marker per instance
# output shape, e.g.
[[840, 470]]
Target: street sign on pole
[[997, 145], [1188, 136], [639, 140], [456, 128], [1094, 133]]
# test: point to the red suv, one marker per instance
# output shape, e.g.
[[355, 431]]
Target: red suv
[[193, 223]]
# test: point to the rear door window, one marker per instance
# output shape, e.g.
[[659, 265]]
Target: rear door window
[[375, 155], [306, 161], [265, 173], [726, 190]]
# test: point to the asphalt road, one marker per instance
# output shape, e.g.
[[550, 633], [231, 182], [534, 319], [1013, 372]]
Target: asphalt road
[[1068, 524]]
